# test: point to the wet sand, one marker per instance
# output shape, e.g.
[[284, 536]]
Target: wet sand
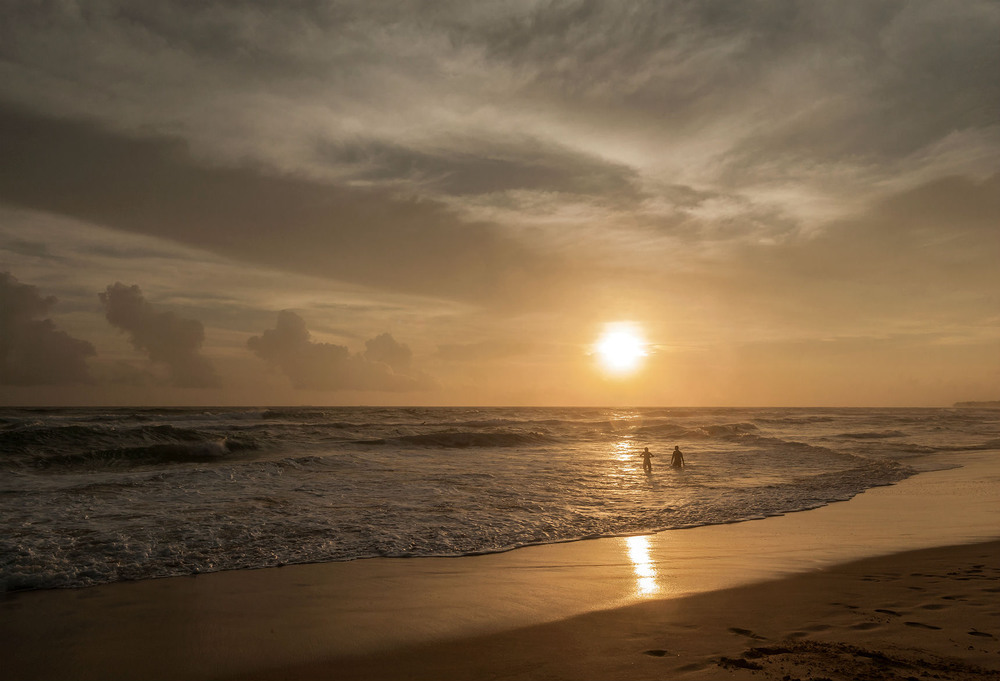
[[928, 614], [771, 598]]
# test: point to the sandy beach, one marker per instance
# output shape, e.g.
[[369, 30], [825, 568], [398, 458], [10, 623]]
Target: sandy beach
[[900, 582], [927, 614]]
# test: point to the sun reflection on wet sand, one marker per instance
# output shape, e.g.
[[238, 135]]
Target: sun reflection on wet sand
[[642, 565]]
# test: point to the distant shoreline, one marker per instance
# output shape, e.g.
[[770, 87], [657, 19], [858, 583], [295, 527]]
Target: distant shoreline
[[988, 404]]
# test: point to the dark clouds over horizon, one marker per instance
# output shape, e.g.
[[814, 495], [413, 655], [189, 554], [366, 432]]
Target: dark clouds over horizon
[[34, 351], [384, 365], [165, 337]]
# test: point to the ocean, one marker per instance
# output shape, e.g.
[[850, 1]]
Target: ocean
[[90, 496]]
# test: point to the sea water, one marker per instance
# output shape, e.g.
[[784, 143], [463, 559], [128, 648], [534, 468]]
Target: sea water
[[91, 496]]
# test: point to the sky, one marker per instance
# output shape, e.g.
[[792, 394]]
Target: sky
[[454, 203]]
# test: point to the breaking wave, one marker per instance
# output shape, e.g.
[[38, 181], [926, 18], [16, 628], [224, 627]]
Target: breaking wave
[[466, 439]]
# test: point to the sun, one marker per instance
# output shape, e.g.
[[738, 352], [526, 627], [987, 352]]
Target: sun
[[621, 349]]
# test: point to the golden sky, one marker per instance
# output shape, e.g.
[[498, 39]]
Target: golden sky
[[782, 203]]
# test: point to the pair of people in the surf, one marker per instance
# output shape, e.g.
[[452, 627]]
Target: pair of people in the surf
[[676, 459]]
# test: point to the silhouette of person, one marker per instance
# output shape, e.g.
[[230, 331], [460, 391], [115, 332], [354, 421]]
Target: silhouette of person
[[677, 458], [646, 455]]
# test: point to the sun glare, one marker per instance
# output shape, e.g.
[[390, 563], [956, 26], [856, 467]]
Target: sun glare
[[620, 350]]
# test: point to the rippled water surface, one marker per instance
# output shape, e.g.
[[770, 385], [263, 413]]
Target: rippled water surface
[[90, 496]]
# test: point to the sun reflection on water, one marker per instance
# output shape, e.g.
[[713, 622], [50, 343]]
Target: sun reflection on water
[[642, 565], [623, 450]]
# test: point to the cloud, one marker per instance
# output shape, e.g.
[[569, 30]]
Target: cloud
[[918, 260], [360, 235], [166, 338], [384, 365], [818, 82], [322, 114], [33, 351], [939, 237], [473, 167], [385, 349], [920, 68]]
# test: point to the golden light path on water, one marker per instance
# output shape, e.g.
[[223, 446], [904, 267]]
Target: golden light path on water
[[623, 450], [642, 565]]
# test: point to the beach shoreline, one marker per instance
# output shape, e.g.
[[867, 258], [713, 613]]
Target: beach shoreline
[[395, 617]]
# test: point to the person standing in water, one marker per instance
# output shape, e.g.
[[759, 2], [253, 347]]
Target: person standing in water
[[677, 458], [646, 455]]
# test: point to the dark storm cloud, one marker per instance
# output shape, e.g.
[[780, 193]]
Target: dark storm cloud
[[165, 337], [153, 187], [32, 350], [384, 365]]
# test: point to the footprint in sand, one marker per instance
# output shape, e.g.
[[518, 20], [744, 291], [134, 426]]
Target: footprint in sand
[[658, 652], [887, 612], [934, 606], [745, 632], [921, 625], [980, 633], [817, 627], [864, 626], [694, 666], [849, 607]]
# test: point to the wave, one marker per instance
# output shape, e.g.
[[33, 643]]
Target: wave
[[294, 414], [466, 439], [794, 420], [47, 438], [177, 452], [722, 431], [663, 430], [51, 447], [494, 423], [872, 435], [984, 446]]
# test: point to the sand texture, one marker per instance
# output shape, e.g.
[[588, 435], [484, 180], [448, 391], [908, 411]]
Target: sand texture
[[930, 614]]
